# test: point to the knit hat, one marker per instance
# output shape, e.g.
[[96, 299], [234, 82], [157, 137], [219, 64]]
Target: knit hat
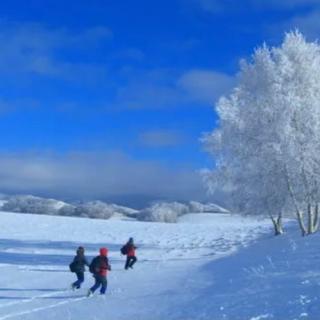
[[103, 252], [80, 250]]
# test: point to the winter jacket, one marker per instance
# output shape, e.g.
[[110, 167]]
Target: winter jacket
[[131, 250], [101, 266], [80, 262]]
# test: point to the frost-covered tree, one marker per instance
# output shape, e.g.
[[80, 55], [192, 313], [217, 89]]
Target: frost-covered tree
[[94, 209], [267, 145], [67, 210], [32, 204], [163, 212]]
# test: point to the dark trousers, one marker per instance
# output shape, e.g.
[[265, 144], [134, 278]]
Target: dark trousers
[[130, 262], [100, 281], [80, 277]]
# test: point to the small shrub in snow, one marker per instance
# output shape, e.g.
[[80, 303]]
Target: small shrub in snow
[[67, 210], [163, 212], [94, 209]]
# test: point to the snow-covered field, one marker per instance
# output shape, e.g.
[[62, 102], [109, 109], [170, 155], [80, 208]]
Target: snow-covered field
[[204, 267]]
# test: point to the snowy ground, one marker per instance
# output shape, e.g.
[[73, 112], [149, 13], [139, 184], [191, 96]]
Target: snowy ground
[[205, 267]]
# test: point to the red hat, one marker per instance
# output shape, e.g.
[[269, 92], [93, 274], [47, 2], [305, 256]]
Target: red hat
[[104, 251]]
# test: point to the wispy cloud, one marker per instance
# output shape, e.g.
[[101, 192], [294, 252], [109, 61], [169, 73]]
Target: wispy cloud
[[147, 89], [161, 138], [205, 85], [34, 49], [308, 24], [95, 175], [161, 88]]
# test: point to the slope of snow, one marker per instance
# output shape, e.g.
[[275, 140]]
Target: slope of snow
[[205, 267], [35, 251], [275, 278]]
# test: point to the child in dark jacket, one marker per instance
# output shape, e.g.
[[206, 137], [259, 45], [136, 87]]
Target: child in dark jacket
[[131, 254], [80, 261], [100, 267]]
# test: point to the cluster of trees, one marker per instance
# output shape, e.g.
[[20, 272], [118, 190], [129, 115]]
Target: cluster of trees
[[91, 209], [31, 204], [163, 212], [157, 212], [171, 211], [267, 145]]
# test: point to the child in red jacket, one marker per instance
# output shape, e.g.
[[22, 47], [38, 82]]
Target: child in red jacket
[[100, 267], [131, 254]]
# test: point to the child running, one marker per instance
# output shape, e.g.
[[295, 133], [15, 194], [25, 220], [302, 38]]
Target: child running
[[100, 267], [79, 263], [130, 251]]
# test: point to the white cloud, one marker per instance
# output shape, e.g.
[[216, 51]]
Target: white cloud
[[33, 49], [308, 24], [161, 88], [206, 85], [95, 175], [148, 89], [30, 48], [161, 138]]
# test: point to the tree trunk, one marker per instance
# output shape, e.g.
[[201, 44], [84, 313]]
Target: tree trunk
[[310, 219], [277, 224], [301, 223], [316, 218], [313, 218], [295, 203]]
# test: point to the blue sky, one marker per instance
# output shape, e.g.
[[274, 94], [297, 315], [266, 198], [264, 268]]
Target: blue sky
[[108, 99]]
